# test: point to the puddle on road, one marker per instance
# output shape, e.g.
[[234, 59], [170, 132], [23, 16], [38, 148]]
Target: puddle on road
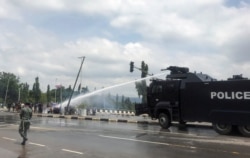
[[8, 119]]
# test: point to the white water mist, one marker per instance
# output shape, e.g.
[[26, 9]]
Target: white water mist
[[75, 101]]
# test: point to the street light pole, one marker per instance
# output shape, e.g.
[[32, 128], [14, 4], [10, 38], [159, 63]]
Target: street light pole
[[61, 100], [67, 110]]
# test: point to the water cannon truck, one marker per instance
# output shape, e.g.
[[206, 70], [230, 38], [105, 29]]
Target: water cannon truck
[[196, 97]]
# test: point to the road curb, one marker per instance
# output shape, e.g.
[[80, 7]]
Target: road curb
[[141, 120], [94, 118]]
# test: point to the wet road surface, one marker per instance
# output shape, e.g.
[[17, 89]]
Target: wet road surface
[[63, 138]]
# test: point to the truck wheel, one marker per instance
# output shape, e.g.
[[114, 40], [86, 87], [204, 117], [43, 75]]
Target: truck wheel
[[182, 123], [164, 120], [222, 128], [244, 130]]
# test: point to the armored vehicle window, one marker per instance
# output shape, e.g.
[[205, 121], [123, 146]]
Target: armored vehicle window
[[157, 89], [171, 85]]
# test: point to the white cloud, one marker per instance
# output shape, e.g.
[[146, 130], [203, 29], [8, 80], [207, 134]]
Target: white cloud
[[105, 60], [204, 35], [8, 11], [41, 4]]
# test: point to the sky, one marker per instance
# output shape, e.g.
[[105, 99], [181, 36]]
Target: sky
[[44, 38]]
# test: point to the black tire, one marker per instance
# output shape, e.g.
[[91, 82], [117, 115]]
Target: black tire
[[164, 120], [223, 129], [244, 130], [183, 123]]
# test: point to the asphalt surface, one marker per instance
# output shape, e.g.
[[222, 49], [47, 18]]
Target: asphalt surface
[[63, 137]]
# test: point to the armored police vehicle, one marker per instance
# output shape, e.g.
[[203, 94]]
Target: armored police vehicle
[[190, 97]]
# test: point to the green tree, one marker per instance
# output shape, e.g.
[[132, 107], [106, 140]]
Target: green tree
[[24, 92], [123, 103], [128, 104], [85, 90], [43, 98], [79, 88], [9, 87], [142, 85], [36, 90], [48, 94], [140, 89], [67, 92], [117, 101]]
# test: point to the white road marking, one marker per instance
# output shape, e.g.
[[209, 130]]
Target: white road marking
[[9, 138], [135, 140], [152, 131], [71, 151], [174, 145], [29, 142], [37, 144]]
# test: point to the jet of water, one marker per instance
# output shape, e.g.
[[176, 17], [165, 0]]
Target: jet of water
[[78, 98]]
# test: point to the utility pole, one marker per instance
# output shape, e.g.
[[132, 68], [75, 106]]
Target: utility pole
[[67, 109], [61, 100]]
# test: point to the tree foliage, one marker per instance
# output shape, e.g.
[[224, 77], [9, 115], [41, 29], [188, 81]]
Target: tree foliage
[[21, 92], [9, 87], [142, 85], [36, 90], [24, 92], [48, 94]]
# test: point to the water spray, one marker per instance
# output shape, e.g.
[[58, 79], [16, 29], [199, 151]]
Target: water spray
[[108, 88]]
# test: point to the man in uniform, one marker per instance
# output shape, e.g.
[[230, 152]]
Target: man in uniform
[[25, 116]]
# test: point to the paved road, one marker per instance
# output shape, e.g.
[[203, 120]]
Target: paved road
[[63, 138]]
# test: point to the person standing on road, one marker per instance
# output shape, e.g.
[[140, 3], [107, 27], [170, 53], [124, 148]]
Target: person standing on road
[[25, 116]]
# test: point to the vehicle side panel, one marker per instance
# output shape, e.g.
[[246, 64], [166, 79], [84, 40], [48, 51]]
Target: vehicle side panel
[[218, 101]]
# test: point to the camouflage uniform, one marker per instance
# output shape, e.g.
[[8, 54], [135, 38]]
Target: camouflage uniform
[[25, 116]]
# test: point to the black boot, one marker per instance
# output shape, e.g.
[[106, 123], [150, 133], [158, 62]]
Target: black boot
[[24, 141]]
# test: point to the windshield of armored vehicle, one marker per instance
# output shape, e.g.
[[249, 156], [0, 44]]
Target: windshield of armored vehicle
[[205, 77]]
